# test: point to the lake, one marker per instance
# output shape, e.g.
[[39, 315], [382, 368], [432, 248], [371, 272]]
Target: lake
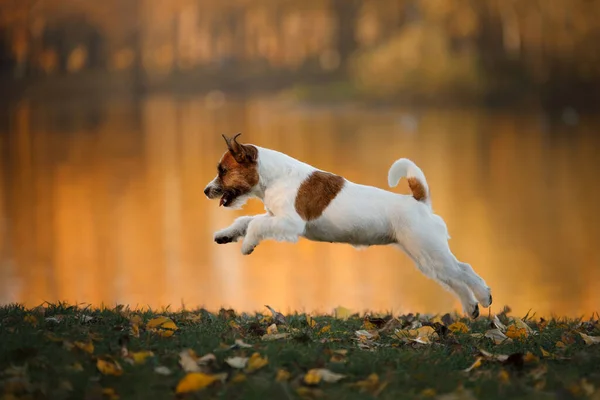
[[102, 203]]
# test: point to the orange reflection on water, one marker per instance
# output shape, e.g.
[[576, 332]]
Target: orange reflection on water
[[104, 204]]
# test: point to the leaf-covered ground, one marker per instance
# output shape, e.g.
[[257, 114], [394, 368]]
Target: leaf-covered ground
[[69, 352]]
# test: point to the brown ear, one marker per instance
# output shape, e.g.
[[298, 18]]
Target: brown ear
[[240, 152]]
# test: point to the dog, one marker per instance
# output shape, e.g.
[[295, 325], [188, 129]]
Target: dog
[[303, 201]]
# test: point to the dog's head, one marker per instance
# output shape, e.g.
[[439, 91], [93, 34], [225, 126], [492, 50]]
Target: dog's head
[[237, 174]]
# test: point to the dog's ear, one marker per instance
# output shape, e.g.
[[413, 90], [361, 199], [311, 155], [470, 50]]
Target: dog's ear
[[240, 152]]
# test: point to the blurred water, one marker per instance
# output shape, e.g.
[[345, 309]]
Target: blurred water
[[103, 203]]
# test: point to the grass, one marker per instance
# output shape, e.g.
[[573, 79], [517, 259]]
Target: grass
[[69, 352]]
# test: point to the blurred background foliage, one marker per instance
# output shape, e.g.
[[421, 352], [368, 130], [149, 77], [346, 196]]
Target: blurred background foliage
[[472, 51]]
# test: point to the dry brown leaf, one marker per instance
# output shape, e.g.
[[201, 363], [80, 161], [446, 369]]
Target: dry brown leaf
[[256, 362], [195, 381], [423, 335], [109, 367], [277, 316], [495, 357], [497, 336], [590, 340]]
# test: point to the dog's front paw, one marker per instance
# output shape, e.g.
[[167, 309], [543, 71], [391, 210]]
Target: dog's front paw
[[224, 239], [475, 312], [248, 248]]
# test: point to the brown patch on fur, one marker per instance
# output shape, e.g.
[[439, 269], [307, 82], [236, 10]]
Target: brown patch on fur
[[315, 194], [418, 191], [236, 178]]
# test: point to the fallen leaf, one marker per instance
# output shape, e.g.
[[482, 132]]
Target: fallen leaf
[[188, 360], [282, 375], [423, 335], [271, 329], [163, 326], [503, 376], [309, 392], [234, 324], [545, 353], [530, 357], [110, 393], [195, 381], [476, 364], [459, 327], [523, 325], [51, 336], [560, 345], [206, 359], [590, 340], [316, 375], [497, 336], [76, 367], [539, 372], [325, 329], [342, 313], [428, 392], [499, 325], [237, 362], [368, 325], [515, 332], [139, 357], [88, 347], [109, 367], [371, 385], [496, 357], [31, 319], [275, 336], [277, 316], [238, 378], [256, 362], [162, 370], [240, 343]]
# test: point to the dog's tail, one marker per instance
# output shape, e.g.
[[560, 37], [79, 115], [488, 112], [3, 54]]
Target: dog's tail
[[416, 179]]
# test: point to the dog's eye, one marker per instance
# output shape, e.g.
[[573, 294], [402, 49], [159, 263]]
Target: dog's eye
[[222, 171]]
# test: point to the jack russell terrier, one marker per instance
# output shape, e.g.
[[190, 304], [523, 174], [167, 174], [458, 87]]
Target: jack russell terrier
[[301, 200]]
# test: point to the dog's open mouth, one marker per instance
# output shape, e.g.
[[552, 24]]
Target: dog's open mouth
[[226, 199]]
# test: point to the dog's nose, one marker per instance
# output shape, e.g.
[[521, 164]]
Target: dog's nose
[[206, 191]]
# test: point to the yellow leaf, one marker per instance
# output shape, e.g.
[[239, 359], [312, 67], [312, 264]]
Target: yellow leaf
[[140, 356], [368, 325], [109, 367], [271, 329], [234, 324], [52, 337], [316, 375], [134, 330], [560, 345], [282, 375], [428, 393], [476, 364], [275, 336], [256, 362], [423, 335], [310, 321], [195, 381], [590, 340], [514, 332], [545, 353], [77, 367], [459, 327], [312, 377], [136, 320], [87, 347], [238, 378], [325, 329], [530, 357], [110, 393], [371, 385], [342, 313], [163, 326], [31, 319], [503, 376]]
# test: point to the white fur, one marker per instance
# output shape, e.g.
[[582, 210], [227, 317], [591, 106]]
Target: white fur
[[359, 215]]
